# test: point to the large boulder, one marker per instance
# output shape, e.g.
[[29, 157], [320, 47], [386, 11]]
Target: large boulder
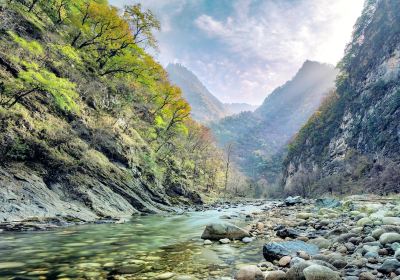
[[276, 250], [292, 200], [217, 231]]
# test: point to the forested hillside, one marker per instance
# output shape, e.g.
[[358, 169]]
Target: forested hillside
[[90, 125], [205, 106], [352, 143], [259, 139]]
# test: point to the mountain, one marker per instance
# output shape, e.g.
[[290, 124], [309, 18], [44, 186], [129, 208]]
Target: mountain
[[352, 143], [236, 108], [259, 138], [205, 106]]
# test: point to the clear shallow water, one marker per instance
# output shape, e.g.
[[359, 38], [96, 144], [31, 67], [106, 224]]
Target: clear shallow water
[[146, 246]]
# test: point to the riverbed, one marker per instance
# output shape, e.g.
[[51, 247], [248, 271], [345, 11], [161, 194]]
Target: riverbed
[[142, 248]]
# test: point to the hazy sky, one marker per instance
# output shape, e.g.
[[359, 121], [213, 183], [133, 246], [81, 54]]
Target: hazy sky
[[243, 49]]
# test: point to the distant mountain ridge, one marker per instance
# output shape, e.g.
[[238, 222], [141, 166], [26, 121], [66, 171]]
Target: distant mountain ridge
[[205, 106], [236, 108], [260, 137]]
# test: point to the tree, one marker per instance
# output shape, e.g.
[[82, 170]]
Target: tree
[[99, 27], [36, 79], [229, 150], [142, 25]]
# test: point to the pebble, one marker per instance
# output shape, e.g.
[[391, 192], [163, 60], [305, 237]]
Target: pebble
[[224, 241], [247, 239], [284, 261], [166, 275]]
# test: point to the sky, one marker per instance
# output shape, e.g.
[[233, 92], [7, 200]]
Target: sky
[[243, 49]]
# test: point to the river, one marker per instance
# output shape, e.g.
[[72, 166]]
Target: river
[[142, 248]]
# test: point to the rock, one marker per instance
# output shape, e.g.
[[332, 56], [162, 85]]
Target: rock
[[296, 271], [184, 277], [397, 254], [383, 252], [339, 264], [343, 238], [303, 238], [276, 250], [319, 272], [250, 272], [166, 275], [377, 233], [275, 275], [303, 255], [327, 203], [224, 241], [356, 240], [366, 276], [364, 221], [341, 249], [371, 255], [368, 239], [207, 242], [389, 237], [295, 260], [284, 261], [128, 269], [247, 240], [391, 221], [260, 226], [369, 248], [389, 265], [321, 242], [350, 246], [304, 216], [289, 201], [287, 232], [218, 231]]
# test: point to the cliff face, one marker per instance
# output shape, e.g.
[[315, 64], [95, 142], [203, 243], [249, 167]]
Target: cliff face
[[259, 138], [352, 143]]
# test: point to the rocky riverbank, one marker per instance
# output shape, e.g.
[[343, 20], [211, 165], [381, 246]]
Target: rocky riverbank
[[357, 238]]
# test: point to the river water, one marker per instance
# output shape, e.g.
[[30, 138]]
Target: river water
[[143, 248]]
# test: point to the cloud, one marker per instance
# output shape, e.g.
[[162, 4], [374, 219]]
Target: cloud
[[271, 39], [243, 49]]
